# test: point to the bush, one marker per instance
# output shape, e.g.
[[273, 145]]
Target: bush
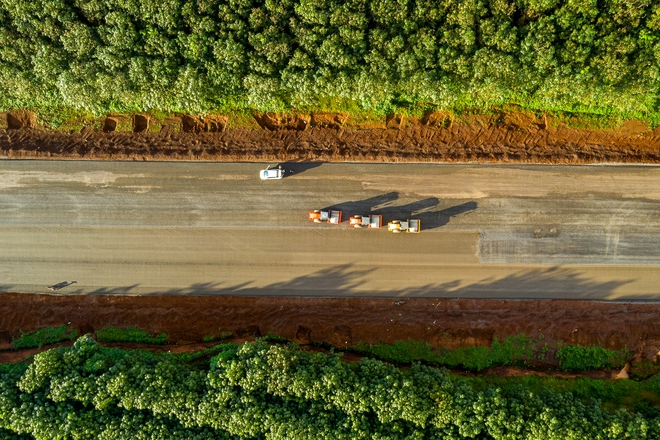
[[44, 336], [132, 334], [515, 350], [400, 352], [220, 337], [576, 358]]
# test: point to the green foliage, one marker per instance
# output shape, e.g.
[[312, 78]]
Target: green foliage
[[44, 336], [257, 391], [215, 337], [131, 334], [600, 58], [400, 352], [271, 337], [644, 369], [576, 358], [643, 396], [515, 350]]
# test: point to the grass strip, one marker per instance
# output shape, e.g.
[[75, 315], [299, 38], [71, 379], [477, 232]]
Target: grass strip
[[513, 351], [44, 336], [131, 334]]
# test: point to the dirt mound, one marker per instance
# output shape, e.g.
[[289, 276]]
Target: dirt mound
[[303, 335], [437, 119], [191, 124], [523, 121], [634, 128], [398, 122], [277, 121], [140, 123], [110, 124], [18, 119], [210, 124], [328, 120], [215, 124]]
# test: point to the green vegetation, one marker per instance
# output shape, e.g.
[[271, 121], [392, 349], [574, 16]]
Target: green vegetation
[[72, 59], [258, 390], [641, 396], [575, 358], [44, 336], [215, 337], [516, 350], [132, 334]]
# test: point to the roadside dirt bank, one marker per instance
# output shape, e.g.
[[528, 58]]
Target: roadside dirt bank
[[343, 322], [508, 137]]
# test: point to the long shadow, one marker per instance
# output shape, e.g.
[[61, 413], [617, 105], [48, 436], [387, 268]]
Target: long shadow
[[295, 168], [119, 290], [421, 209], [425, 211], [348, 281], [342, 278], [366, 206], [553, 282], [436, 219]]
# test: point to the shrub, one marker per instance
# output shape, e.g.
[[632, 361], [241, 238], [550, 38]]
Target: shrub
[[514, 350], [220, 337], [44, 336], [576, 358], [132, 334]]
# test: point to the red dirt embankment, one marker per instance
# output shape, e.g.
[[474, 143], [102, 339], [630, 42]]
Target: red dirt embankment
[[507, 137], [342, 322]]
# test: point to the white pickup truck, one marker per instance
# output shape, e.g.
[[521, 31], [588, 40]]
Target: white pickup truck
[[271, 173]]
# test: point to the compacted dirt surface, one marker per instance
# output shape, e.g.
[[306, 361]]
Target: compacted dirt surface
[[507, 137], [444, 323]]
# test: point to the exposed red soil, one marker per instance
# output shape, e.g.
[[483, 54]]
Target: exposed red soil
[[342, 322], [507, 137]]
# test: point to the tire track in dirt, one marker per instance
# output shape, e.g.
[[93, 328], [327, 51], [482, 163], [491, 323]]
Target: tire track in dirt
[[458, 143]]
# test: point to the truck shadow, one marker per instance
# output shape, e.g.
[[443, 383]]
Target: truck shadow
[[365, 206], [426, 209], [436, 219], [295, 168]]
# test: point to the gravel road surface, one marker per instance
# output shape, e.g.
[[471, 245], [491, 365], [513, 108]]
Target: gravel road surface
[[215, 228]]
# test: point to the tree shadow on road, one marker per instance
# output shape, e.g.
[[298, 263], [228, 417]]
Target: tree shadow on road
[[348, 280], [120, 290], [552, 282]]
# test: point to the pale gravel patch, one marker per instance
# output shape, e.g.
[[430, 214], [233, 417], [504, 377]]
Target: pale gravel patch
[[19, 179]]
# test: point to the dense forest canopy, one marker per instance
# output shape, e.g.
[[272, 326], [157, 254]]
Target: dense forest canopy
[[600, 56], [262, 391]]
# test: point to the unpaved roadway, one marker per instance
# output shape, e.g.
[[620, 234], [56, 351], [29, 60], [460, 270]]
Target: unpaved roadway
[[589, 232]]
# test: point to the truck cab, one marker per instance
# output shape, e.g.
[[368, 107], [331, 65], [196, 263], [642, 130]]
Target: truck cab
[[366, 221], [409, 226], [271, 173], [329, 216]]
